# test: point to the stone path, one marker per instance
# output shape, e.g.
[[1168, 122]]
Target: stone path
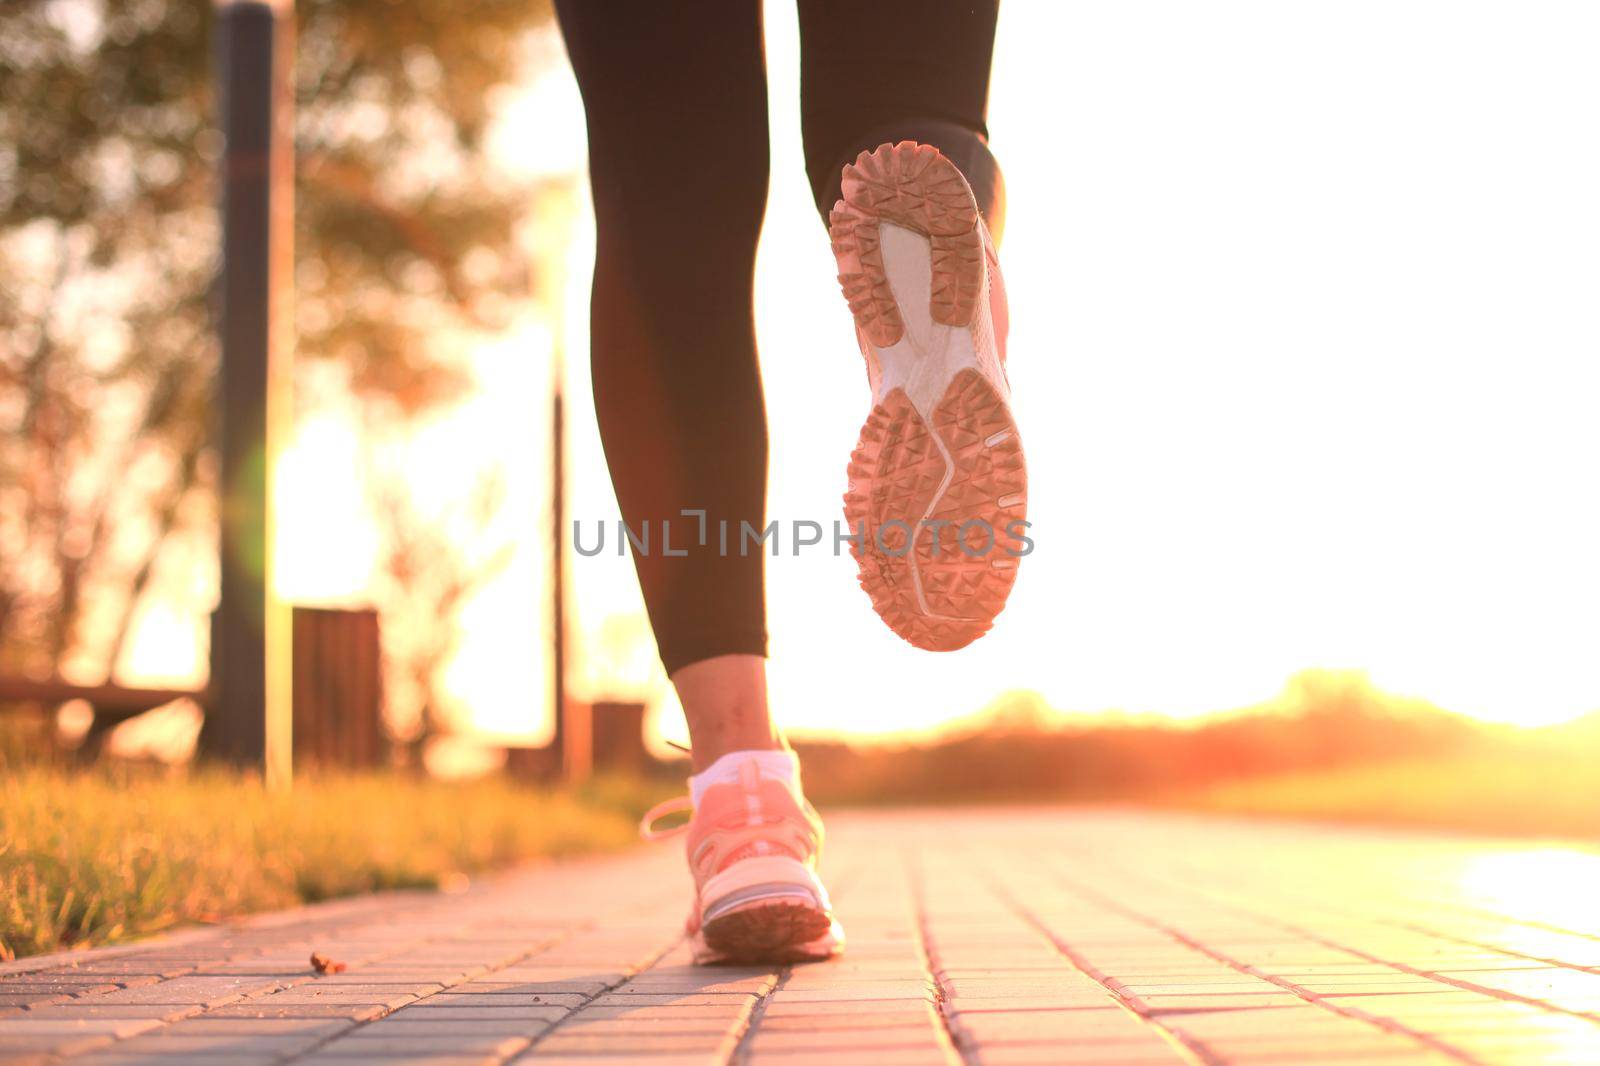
[[994, 936]]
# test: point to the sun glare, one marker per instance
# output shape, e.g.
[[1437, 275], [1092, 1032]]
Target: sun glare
[[1558, 884]]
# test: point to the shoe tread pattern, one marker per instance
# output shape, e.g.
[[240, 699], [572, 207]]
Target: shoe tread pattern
[[914, 186], [896, 474], [778, 931]]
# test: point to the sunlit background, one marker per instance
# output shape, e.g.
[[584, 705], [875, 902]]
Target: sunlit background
[[1304, 352]]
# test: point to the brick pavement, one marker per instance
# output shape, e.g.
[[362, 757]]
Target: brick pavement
[[992, 936]]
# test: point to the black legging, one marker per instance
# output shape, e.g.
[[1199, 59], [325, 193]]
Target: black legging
[[675, 95]]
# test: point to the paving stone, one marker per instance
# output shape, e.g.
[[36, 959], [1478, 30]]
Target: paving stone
[[29, 999], [357, 1012], [830, 1022], [729, 1010], [824, 991], [488, 985], [920, 1036], [44, 1026], [372, 980], [503, 1000], [18, 1046], [709, 984], [167, 1058], [403, 1025], [417, 1012], [169, 1012], [130, 969], [82, 987], [175, 1044], [397, 1058], [974, 1004], [183, 991], [385, 1044], [1022, 1026], [640, 1042], [390, 998], [1214, 1001], [581, 1022], [1149, 1054], [688, 999], [212, 1025], [632, 1058], [916, 1056]]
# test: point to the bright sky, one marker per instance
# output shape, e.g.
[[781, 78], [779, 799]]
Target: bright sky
[[1306, 318]]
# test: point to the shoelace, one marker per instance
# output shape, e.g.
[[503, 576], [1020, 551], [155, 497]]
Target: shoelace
[[676, 805]]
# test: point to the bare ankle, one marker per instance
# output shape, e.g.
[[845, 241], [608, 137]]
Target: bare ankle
[[725, 703]]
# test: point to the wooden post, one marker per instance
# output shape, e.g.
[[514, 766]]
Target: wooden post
[[338, 688], [618, 732], [249, 722]]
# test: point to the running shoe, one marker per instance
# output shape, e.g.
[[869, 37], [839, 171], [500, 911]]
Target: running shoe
[[753, 848], [938, 487]]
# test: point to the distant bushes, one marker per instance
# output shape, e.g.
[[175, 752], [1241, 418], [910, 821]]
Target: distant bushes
[[1018, 751]]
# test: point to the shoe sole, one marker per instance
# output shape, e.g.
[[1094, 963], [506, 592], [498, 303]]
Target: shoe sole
[[765, 909], [785, 930], [938, 482]]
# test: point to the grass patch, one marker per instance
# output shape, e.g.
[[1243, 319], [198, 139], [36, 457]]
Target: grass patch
[[94, 858], [1519, 794]]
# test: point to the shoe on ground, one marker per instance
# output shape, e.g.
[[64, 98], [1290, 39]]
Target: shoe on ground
[[752, 848]]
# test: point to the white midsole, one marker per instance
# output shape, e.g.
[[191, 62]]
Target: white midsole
[[928, 354], [761, 876], [925, 359]]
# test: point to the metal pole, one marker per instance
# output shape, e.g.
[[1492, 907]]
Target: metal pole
[[248, 723], [558, 591], [572, 741]]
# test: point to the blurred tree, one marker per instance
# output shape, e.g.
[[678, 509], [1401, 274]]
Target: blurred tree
[[429, 567], [107, 243]]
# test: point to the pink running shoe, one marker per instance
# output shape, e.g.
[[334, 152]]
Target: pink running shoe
[[753, 850], [938, 481]]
